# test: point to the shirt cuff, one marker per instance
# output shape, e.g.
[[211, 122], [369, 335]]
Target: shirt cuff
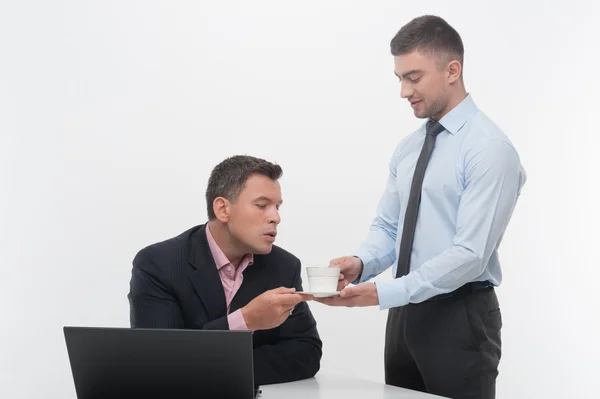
[[236, 321], [367, 272], [392, 293]]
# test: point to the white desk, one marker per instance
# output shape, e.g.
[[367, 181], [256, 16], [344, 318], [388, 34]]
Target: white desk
[[331, 386]]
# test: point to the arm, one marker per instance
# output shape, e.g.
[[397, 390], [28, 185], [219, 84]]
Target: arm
[[493, 179], [378, 251], [297, 353], [152, 303]]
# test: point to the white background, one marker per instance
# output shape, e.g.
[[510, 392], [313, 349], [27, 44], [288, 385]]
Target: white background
[[112, 114]]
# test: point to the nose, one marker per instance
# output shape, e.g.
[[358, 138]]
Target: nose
[[274, 216], [405, 90]]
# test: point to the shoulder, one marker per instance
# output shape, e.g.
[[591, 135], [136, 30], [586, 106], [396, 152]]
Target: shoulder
[[482, 135], [487, 147], [168, 250]]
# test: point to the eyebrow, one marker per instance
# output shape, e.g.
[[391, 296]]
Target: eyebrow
[[408, 73], [263, 198]]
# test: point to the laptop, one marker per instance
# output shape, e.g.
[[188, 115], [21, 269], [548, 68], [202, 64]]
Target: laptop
[[131, 363]]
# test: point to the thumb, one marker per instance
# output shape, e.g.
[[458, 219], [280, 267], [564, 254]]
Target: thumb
[[285, 290], [349, 291]]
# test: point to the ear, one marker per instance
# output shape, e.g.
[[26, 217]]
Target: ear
[[221, 209], [454, 70]]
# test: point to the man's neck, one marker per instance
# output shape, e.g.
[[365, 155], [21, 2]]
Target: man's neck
[[225, 242], [455, 99]]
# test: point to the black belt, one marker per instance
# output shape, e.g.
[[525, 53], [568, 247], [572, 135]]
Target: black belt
[[466, 289]]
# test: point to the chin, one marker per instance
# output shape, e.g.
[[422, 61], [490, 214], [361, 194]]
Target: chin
[[421, 114], [263, 249]]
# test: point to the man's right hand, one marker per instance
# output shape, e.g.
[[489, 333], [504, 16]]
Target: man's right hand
[[271, 308], [350, 268]]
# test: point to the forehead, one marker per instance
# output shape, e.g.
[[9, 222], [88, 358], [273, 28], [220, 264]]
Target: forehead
[[413, 61], [261, 186]]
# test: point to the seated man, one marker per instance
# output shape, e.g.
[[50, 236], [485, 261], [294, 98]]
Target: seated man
[[228, 275]]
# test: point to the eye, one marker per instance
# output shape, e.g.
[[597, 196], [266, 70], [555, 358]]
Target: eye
[[414, 80], [261, 206]]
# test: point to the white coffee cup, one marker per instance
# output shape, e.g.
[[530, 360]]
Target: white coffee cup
[[323, 279]]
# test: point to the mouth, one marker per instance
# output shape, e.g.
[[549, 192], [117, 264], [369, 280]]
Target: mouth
[[270, 236], [414, 104]]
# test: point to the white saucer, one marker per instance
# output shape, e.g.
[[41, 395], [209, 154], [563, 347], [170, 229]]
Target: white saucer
[[320, 294]]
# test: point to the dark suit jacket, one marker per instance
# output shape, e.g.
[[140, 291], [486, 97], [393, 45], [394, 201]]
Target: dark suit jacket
[[175, 284]]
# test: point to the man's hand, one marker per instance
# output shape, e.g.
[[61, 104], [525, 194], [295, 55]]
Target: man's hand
[[350, 268], [271, 308], [363, 294]]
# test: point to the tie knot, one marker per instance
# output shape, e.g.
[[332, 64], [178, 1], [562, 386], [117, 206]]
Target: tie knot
[[434, 128]]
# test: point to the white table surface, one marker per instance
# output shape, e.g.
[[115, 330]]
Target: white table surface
[[330, 386]]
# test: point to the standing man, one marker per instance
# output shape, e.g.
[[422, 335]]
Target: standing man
[[452, 188]]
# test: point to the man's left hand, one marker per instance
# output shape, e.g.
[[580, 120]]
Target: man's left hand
[[363, 294]]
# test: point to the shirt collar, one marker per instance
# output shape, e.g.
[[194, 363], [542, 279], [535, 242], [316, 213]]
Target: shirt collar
[[459, 115], [218, 255]]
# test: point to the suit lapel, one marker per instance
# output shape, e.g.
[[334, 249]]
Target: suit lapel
[[205, 276]]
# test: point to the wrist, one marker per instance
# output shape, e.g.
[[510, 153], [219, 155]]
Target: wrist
[[360, 267], [375, 294], [247, 315], [246, 318]]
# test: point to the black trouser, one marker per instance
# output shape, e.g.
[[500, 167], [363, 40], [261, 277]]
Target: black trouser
[[449, 345]]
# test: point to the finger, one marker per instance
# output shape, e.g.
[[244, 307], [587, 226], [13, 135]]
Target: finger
[[341, 277], [336, 261], [286, 311], [342, 284], [343, 264], [306, 297], [349, 292], [283, 317], [284, 290], [289, 299]]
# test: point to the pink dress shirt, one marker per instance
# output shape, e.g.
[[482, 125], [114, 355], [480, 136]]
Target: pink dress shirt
[[231, 280]]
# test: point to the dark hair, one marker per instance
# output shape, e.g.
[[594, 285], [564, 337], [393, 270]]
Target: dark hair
[[228, 178], [429, 34]]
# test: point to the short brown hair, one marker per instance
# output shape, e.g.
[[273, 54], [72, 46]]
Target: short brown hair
[[228, 178], [429, 34]]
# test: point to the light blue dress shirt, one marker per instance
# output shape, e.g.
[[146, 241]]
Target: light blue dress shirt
[[471, 186]]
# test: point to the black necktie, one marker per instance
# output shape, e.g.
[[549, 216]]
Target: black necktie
[[433, 128]]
